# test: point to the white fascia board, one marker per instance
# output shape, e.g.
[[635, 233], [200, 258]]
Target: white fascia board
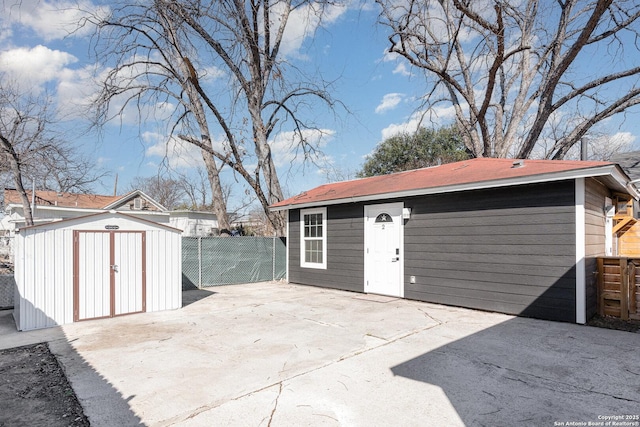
[[611, 170]]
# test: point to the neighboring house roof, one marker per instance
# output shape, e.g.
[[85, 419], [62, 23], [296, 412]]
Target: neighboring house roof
[[629, 162], [55, 198], [465, 175], [82, 201], [132, 195]]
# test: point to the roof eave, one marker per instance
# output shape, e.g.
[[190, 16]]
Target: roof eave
[[612, 170]]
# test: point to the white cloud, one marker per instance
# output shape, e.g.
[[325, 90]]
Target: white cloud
[[286, 150], [51, 20], [303, 22], [409, 126], [75, 92], [35, 66], [623, 138], [401, 69], [178, 153], [389, 102], [433, 117]]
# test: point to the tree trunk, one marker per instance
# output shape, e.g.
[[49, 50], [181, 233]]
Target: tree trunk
[[217, 196]]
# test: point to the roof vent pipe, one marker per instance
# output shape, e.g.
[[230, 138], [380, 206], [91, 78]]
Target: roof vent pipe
[[517, 164]]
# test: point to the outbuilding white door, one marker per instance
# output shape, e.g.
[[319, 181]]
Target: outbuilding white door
[[109, 273], [383, 258]]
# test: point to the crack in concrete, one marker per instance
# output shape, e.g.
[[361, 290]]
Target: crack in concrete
[[275, 406], [180, 418], [439, 322], [578, 388]]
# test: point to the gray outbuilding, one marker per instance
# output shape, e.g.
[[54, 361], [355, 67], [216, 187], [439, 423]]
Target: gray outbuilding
[[513, 236], [96, 266]]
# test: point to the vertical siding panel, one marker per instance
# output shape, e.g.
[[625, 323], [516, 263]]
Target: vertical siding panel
[[137, 274], [39, 282], [67, 295], [161, 261], [162, 290], [48, 279], [49, 269], [158, 271], [152, 271], [176, 260], [45, 270], [17, 274]]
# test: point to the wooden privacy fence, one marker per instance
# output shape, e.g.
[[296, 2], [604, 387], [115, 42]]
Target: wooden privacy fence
[[618, 287]]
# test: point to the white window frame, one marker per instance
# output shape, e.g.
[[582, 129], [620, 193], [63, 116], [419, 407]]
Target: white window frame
[[323, 238]]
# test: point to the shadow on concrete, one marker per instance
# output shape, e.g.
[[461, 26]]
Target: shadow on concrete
[[102, 403], [512, 373], [191, 296]]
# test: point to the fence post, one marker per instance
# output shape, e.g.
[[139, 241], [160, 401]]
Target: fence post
[[624, 290], [600, 288], [273, 257], [199, 262]]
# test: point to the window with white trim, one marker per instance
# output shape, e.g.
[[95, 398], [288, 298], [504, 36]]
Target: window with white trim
[[313, 238]]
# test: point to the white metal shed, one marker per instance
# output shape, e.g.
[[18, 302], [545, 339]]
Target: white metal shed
[[96, 266]]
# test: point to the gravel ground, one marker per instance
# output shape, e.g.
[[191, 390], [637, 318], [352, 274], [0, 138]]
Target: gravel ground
[[34, 390]]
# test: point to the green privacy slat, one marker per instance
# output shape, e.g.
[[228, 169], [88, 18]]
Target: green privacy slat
[[213, 261]]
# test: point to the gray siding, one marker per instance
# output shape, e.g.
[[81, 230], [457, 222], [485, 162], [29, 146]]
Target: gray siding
[[510, 250], [345, 250], [595, 193]]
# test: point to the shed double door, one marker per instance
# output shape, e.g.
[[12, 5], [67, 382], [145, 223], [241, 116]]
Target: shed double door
[[109, 274]]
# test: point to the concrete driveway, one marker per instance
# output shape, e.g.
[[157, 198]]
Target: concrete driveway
[[280, 355]]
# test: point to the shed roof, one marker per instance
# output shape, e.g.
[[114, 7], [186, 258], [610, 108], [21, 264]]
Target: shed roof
[[97, 216], [459, 176]]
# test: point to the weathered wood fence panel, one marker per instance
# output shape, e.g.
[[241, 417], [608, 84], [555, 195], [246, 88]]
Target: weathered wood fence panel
[[618, 287]]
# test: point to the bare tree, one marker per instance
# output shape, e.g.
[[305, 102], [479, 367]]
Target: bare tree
[[517, 73], [29, 147], [168, 51]]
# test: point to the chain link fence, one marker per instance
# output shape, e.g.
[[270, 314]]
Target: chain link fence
[[7, 289], [213, 261]]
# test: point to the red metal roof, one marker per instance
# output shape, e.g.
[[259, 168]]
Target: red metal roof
[[482, 170]]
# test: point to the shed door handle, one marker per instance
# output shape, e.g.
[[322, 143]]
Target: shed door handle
[[114, 267]]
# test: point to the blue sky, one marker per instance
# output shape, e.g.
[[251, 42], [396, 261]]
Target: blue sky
[[380, 93]]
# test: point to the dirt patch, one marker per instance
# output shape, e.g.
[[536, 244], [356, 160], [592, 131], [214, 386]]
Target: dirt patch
[[610, 322], [35, 390]]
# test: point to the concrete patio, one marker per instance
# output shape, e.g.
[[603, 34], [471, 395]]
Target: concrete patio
[[280, 354]]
